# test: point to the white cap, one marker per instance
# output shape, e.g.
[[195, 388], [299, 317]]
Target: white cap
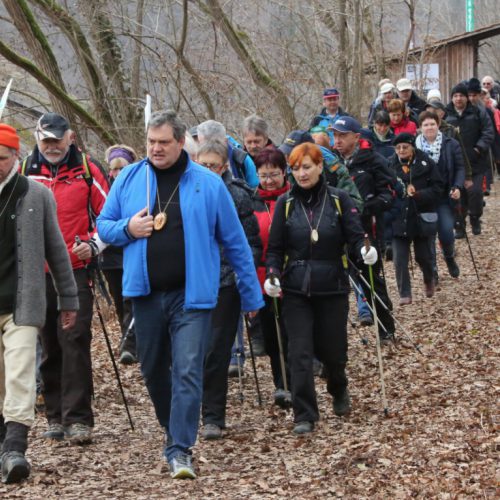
[[386, 87], [434, 94], [404, 84]]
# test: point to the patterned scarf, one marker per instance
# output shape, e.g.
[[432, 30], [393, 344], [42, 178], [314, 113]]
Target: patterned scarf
[[434, 149]]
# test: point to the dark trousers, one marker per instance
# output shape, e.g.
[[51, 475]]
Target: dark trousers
[[316, 327], [472, 199], [224, 323], [423, 256], [66, 367], [380, 288], [268, 326], [123, 307]]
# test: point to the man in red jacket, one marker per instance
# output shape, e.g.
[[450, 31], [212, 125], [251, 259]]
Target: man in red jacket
[[80, 188]]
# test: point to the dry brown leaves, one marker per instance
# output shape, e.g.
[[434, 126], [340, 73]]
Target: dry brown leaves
[[440, 440]]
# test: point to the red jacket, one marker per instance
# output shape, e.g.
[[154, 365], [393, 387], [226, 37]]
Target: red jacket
[[405, 125], [264, 211], [78, 201]]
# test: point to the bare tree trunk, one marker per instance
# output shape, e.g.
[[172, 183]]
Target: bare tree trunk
[[411, 9], [83, 52], [41, 51], [357, 87], [257, 72], [343, 37], [58, 93]]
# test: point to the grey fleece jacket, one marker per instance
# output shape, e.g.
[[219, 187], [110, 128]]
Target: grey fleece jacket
[[39, 239]]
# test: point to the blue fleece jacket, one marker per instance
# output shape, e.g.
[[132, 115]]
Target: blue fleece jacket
[[209, 219]]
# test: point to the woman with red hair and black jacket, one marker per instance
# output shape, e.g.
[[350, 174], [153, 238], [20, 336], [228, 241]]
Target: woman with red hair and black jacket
[[271, 170], [311, 226]]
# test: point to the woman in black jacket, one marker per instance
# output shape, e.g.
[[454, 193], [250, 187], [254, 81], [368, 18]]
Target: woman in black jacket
[[416, 219], [447, 154], [311, 226], [225, 316]]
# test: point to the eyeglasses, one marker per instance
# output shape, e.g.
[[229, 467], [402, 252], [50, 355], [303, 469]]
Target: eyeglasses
[[269, 177], [212, 166], [403, 147]]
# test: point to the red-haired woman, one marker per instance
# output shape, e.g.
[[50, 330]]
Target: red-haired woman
[[310, 228], [271, 170], [399, 118]]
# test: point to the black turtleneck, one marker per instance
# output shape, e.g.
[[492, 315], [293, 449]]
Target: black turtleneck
[[166, 253], [309, 197]]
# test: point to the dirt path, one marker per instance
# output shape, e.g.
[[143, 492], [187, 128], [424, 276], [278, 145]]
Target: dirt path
[[439, 442]]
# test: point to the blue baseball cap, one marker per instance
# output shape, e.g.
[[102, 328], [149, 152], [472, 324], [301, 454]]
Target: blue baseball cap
[[346, 124], [331, 92]]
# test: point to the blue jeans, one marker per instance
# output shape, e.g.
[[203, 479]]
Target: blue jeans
[[171, 344], [363, 309], [446, 223]]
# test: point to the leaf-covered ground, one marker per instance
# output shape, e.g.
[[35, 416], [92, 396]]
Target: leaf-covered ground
[[440, 440]]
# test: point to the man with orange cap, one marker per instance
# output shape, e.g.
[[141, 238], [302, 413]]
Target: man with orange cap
[[29, 236]]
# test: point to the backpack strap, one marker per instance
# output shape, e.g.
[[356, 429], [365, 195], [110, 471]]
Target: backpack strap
[[336, 201], [25, 165]]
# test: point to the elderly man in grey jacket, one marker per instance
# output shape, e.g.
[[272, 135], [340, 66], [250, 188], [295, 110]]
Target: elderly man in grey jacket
[[29, 237]]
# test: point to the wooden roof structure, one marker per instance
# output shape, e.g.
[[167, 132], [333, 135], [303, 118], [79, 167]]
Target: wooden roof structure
[[456, 55]]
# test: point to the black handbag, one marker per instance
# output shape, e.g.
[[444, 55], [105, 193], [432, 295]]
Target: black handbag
[[427, 223]]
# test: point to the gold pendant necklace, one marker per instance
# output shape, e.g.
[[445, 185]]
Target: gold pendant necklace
[[314, 237], [161, 218]]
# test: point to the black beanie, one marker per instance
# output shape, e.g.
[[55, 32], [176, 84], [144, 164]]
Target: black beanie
[[460, 88], [404, 137], [474, 85]]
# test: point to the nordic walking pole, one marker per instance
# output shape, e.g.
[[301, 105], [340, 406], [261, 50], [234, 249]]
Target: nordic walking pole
[[247, 325], [238, 363], [377, 336], [280, 338], [111, 355], [471, 254], [108, 343], [384, 305]]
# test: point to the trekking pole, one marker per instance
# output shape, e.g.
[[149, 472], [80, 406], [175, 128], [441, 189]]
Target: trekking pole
[[384, 305], [247, 325], [411, 261], [370, 308], [111, 355], [377, 336], [280, 338], [471, 254], [108, 343], [238, 363]]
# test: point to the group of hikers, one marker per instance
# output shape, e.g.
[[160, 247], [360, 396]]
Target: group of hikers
[[206, 237]]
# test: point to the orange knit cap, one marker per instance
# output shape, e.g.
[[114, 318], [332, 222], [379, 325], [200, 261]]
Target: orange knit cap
[[9, 137]]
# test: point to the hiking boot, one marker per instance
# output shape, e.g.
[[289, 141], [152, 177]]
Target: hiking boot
[[304, 427], [365, 320], [404, 301], [15, 467], [453, 268], [475, 223], [79, 433], [342, 403], [233, 371], [181, 467], [3, 430], [127, 358], [429, 289], [211, 431], [55, 431], [282, 398]]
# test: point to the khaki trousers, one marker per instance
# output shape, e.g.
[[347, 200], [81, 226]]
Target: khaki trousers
[[17, 371]]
